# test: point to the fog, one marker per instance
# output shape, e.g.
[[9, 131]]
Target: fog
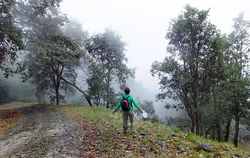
[[143, 25], [16, 90], [180, 69]]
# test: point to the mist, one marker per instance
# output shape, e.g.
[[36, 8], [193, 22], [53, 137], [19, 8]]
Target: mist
[[16, 90]]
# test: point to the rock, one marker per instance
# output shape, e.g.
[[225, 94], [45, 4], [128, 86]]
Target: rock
[[205, 147], [174, 135], [236, 156], [180, 150]]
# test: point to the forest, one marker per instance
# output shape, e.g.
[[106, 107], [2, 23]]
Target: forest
[[205, 72]]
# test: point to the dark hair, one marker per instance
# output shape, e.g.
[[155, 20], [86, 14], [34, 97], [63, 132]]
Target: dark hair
[[127, 90]]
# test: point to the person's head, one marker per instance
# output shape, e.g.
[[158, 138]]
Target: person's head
[[127, 90]]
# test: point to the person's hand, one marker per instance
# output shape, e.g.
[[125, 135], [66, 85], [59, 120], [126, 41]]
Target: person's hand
[[145, 115]]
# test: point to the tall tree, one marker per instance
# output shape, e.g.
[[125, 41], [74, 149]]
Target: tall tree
[[52, 57], [182, 74], [238, 78], [10, 36], [15, 18], [107, 52], [53, 62], [96, 84]]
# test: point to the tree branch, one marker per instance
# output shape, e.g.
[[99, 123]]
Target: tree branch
[[87, 97]]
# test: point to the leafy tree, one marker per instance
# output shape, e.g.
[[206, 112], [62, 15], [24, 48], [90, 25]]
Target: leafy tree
[[74, 30], [214, 106], [54, 61], [107, 52], [182, 73], [236, 71], [96, 84], [10, 37], [207, 73], [15, 18], [52, 58], [28, 10], [13, 29]]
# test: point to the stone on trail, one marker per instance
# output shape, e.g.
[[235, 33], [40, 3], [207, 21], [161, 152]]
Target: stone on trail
[[205, 147]]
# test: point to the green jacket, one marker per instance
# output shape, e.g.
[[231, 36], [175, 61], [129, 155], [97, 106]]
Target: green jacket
[[135, 105]]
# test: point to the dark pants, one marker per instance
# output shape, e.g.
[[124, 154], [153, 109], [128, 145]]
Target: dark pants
[[126, 116]]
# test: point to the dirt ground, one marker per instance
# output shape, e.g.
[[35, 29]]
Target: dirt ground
[[42, 132]]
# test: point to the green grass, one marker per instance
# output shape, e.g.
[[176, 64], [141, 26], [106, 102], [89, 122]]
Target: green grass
[[149, 139]]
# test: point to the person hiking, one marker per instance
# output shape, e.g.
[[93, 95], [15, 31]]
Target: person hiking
[[127, 104]]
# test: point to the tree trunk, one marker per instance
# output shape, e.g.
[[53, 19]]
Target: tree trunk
[[213, 134], [108, 91], [58, 71], [208, 131], [228, 125], [197, 130], [237, 128], [219, 131], [200, 127], [193, 123], [108, 95], [57, 96], [87, 97]]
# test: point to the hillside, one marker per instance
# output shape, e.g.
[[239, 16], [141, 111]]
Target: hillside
[[74, 131], [147, 140]]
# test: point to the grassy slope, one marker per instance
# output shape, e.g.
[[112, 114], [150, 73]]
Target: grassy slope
[[147, 140]]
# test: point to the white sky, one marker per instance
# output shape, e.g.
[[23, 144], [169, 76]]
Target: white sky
[[144, 23]]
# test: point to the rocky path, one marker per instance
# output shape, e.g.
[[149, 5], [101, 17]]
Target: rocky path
[[42, 132]]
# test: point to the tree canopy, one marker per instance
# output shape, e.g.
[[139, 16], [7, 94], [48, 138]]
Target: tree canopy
[[205, 72]]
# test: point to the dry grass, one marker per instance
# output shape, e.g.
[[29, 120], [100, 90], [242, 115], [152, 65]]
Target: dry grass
[[8, 120]]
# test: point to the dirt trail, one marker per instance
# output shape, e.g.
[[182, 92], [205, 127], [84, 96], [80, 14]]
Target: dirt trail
[[42, 132]]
